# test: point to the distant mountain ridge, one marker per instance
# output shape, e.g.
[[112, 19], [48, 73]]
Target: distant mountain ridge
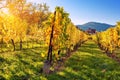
[[95, 25]]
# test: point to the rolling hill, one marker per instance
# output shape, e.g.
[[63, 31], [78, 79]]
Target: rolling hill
[[95, 25]]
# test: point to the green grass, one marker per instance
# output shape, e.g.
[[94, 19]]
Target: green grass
[[117, 51], [88, 63], [21, 65]]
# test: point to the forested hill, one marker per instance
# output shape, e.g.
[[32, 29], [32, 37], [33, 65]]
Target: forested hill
[[95, 25]]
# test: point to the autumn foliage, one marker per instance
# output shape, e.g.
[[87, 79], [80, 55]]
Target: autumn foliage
[[109, 40]]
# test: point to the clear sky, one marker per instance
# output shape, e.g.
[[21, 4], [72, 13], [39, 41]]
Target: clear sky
[[82, 11]]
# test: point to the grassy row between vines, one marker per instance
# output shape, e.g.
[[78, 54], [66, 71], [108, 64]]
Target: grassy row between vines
[[88, 63]]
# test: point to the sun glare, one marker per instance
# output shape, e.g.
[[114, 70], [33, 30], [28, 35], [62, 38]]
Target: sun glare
[[5, 10]]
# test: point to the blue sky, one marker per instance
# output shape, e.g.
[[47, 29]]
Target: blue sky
[[82, 11]]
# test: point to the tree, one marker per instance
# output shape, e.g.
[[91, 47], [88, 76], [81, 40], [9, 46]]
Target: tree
[[13, 28]]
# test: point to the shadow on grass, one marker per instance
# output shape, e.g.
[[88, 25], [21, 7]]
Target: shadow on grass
[[21, 65], [88, 64], [89, 68], [2, 60], [2, 78], [89, 50]]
